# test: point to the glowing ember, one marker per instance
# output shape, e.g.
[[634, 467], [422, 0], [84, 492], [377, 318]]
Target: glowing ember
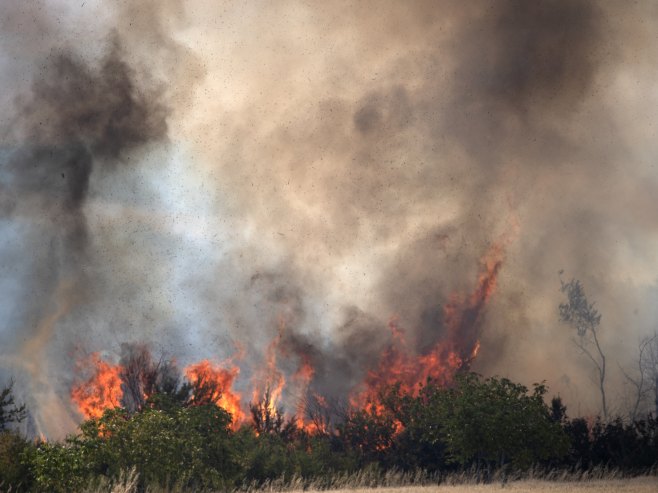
[[101, 391], [217, 382]]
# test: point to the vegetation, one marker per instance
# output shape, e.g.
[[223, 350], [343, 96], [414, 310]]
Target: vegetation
[[582, 315], [10, 412], [488, 426]]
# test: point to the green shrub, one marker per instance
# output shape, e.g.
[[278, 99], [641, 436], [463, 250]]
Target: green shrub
[[60, 468], [15, 462], [188, 446]]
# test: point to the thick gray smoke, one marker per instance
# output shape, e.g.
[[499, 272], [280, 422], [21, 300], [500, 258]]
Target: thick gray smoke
[[77, 114], [196, 176]]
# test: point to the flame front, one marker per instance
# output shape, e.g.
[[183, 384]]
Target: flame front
[[456, 350], [457, 347], [220, 382], [101, 391]]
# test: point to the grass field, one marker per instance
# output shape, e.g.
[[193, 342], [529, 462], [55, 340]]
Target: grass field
[[644, 484], [634, 485], [596, 481]]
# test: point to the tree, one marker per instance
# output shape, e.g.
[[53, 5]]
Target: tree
[[15, 471], [370, 432], [579, 313], [497, 421], [9, 411], [143, 377], [419, 441], [645, 379]]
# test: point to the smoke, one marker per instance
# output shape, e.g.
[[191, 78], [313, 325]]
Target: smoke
[[384, 149], [78, 115], [196, 176]]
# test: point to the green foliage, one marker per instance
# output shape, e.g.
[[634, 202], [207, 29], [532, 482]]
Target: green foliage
[[496, 420], [15, 459], [61, 468], [419, 443], [631, 447], [9, 411], [184, 445], [475, 422], [264, 456], [578, 311]]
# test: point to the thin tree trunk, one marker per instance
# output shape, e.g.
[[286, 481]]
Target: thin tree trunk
[[601, 374], [656, 392]]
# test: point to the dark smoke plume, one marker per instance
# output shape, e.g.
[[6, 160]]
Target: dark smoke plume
[[75, 118], [79, 115]]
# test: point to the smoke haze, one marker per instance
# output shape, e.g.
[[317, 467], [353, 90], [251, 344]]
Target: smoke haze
[[196, 175]]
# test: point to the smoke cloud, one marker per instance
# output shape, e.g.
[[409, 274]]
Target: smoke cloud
[[205, 177]]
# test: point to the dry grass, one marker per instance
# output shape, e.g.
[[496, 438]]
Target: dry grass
[[601, 481], [634, 485]]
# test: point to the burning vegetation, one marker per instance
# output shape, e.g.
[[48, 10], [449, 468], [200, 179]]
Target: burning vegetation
[[323, 189], [101, 390], [137, 377]]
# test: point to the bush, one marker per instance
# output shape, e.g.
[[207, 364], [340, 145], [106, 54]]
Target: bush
[[492, 421], [15, 462], [188, 446], [498, 421]]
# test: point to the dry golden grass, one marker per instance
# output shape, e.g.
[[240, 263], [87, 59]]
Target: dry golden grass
[[455, 483], [633, 485]]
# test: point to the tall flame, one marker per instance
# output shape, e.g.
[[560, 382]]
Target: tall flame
[[461, 320], [302, 378], [220, 381], [101, 391], [268, 382]]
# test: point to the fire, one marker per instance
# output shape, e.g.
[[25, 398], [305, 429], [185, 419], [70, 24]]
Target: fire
[[398, 364], [302, 378], [268, 382], [101, 391], [461, 320], [218, 381]]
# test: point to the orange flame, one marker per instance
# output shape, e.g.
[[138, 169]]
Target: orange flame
[[269, 380], [398, 364], [220, 381], [461, 319], [302, 378], [101, 391]]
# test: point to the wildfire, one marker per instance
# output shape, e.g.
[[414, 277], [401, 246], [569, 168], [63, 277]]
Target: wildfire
[[218, 383], [302, 378], [398, 364], [268, 382], [101, 391], [456, 350]]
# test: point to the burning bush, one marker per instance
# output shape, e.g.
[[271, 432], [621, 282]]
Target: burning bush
[[139, 381], [472, 423]]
